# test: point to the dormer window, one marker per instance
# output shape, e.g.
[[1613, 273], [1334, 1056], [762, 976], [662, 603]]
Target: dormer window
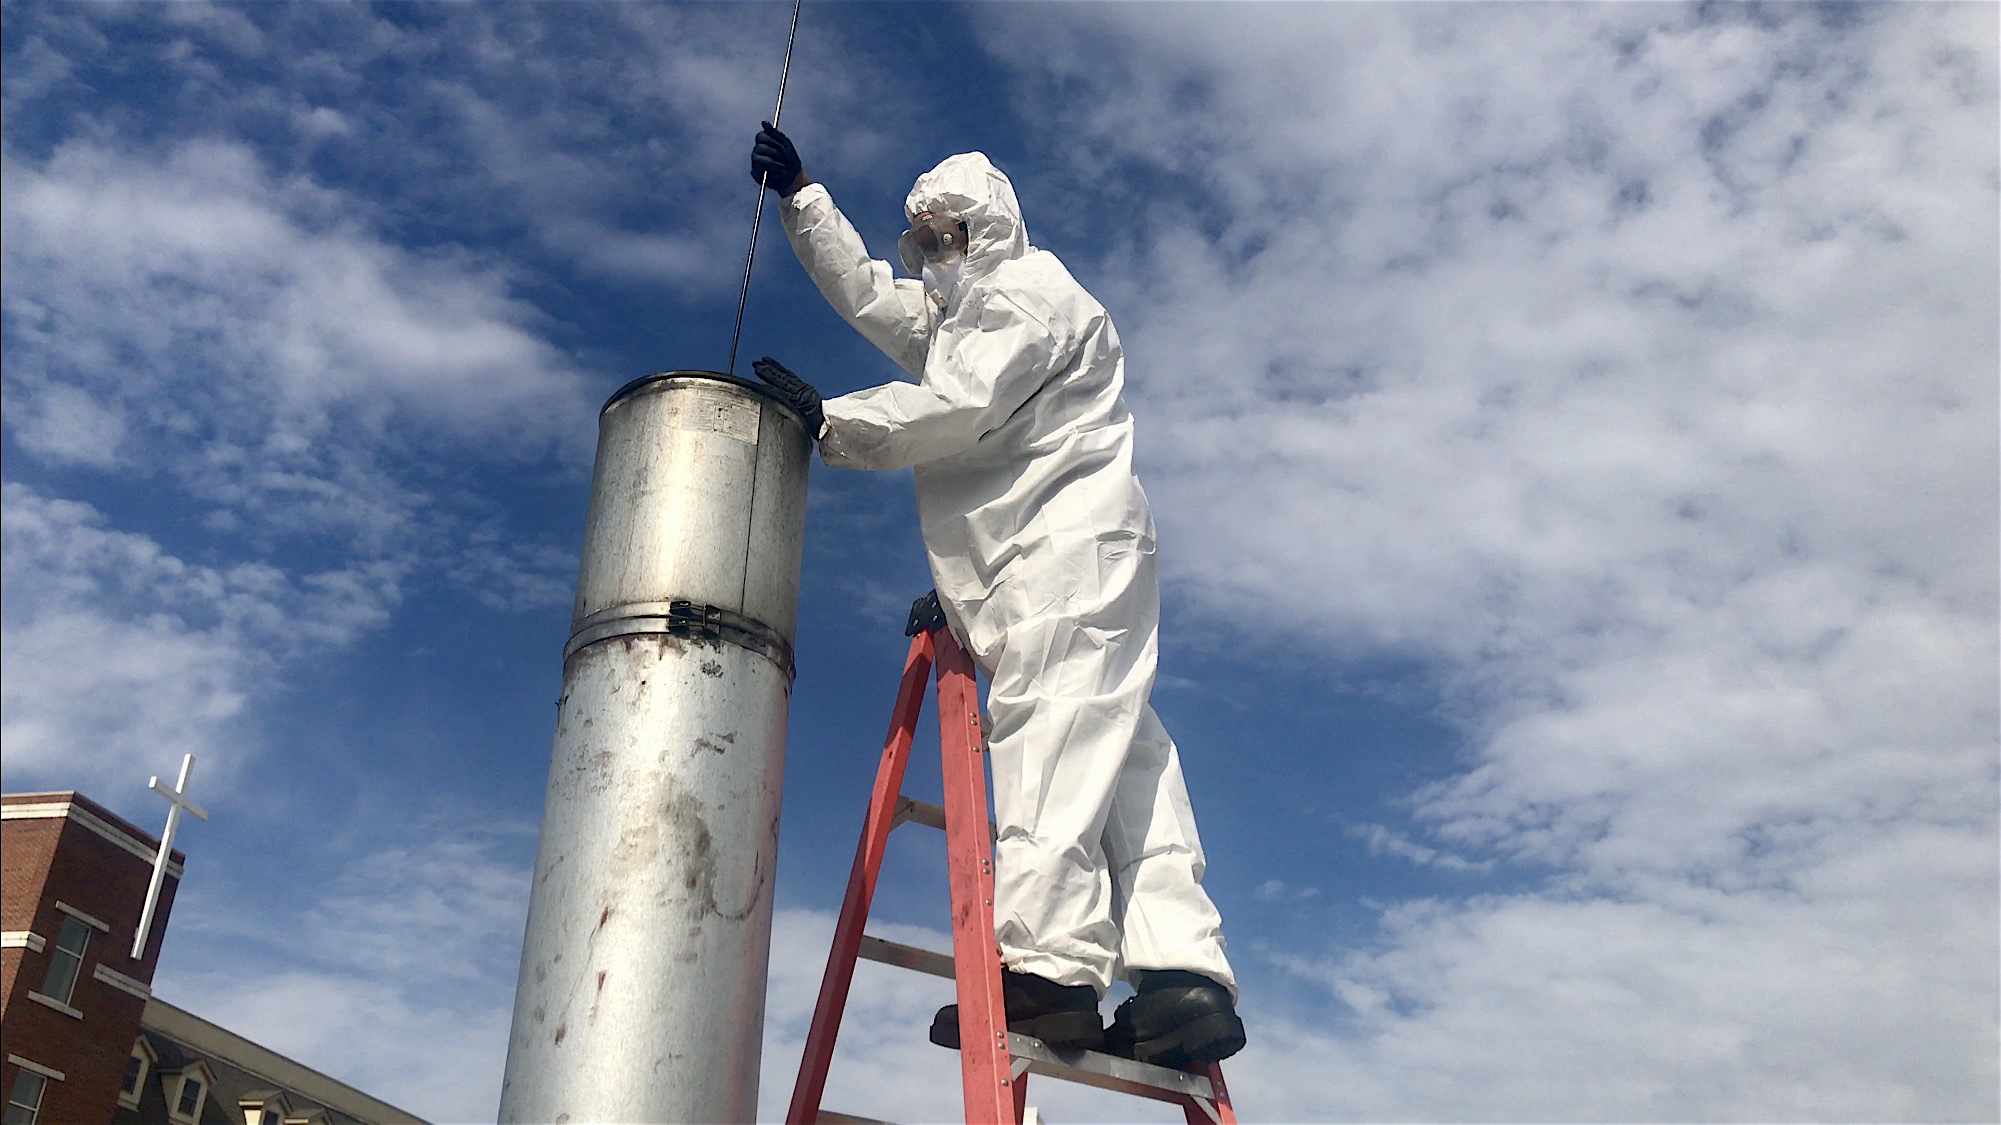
[[263, 1107], [136, 1067], [186, 1092]]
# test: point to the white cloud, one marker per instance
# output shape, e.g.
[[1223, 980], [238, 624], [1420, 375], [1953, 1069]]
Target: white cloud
[[1278, 890], [515, 576], [298, 379], [1681, 1003], [121, 656], [64, 424], [261, 324], [34, 70], [481, 122], [438, 908], [1382, 840]]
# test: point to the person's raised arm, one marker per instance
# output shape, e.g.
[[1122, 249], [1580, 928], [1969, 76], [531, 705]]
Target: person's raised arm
[[891, 313]]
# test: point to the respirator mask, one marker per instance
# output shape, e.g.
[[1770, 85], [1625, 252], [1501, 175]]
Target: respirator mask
[[934, 248]]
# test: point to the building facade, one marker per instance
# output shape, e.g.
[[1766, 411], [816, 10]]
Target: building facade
[[84, 1039]]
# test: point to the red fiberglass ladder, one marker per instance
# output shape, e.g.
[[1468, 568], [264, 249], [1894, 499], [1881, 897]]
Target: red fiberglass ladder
[[995, 1062]]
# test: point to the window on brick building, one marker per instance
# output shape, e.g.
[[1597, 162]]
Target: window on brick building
[[66, 960], [24, 1101]]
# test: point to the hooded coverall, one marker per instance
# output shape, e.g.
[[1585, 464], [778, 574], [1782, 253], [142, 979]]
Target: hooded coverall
[[1041, 545]]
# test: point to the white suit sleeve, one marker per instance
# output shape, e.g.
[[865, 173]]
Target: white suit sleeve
[[999, 356], [891, 312]]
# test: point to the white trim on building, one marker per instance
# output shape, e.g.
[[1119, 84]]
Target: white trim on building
[[87, 919], [121, 982], [52, 1002], [47, 810], [38, 1068]]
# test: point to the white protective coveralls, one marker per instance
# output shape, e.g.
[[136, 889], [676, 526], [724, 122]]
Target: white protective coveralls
[[1041, 544]]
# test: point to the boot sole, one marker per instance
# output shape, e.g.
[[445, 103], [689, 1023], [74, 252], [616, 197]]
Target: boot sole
[[1212, 1038], [1061, 1030]]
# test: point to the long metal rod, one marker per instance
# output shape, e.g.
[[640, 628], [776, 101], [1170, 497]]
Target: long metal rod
[[757, 219]]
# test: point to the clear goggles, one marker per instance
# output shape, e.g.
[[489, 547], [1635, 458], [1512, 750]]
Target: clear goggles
[[933, 237]]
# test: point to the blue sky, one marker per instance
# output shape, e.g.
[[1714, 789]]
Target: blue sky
[[1572, 432]]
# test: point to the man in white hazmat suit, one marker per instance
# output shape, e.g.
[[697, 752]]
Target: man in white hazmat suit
[[1041, 544]]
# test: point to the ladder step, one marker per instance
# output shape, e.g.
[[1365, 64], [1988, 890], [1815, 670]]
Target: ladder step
[[918, 812], [1107, 1072], [907, 957], [910, 811], [1088, 1068]]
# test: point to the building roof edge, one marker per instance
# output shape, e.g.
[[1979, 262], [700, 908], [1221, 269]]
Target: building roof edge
[[203, 1037], [67, 803]]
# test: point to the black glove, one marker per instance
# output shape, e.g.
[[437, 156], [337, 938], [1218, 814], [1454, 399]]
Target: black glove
[[925, 615], [794, 390], [775, 163]]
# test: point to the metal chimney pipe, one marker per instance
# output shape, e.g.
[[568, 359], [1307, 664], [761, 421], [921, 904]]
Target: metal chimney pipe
[[641, 995]]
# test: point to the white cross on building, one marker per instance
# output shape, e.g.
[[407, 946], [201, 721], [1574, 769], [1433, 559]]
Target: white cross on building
[[178, 798]]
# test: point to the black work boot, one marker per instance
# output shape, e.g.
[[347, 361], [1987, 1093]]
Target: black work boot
[[1176, 1018], [1061, 1015]]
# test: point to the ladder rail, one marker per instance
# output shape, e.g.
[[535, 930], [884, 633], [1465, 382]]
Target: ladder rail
[[1217, 1109], [986, 1068], [834, 983]]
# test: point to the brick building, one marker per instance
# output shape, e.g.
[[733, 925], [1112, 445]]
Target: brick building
[[84, 1039]]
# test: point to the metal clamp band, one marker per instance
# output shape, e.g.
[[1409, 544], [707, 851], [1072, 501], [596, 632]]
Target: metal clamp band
[[687, 619]]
